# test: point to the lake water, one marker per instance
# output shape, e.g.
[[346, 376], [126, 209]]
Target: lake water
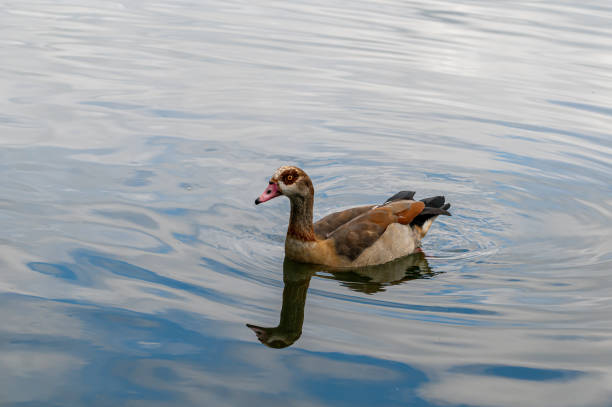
[[135, 135]]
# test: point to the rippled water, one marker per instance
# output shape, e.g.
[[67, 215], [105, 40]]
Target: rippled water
[[134, 137]]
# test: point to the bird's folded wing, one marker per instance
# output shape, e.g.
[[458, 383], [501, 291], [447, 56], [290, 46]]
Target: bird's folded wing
[[353, 237], [323, 227]]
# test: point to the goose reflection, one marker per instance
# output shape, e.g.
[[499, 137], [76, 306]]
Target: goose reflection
[[369, 280]]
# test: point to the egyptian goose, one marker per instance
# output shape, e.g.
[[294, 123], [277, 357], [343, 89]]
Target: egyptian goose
[[356, 237]]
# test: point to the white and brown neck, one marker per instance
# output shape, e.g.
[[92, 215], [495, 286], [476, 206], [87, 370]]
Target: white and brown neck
[[300, 220]]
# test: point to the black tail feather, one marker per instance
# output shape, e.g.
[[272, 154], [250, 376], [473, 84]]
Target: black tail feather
[[401, 195], [434, 201], [434, 206]]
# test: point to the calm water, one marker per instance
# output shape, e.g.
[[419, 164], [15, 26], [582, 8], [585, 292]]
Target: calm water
[[135, 135]]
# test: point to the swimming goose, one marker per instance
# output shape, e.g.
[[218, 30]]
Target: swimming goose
[[356, 237]]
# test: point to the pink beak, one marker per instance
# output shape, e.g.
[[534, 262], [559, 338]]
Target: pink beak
[[271, 192]]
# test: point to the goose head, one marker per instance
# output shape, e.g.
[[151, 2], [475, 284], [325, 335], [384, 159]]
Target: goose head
[[290, 181], [276, 337]]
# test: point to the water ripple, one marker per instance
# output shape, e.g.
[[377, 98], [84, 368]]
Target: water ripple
[[135, 136]]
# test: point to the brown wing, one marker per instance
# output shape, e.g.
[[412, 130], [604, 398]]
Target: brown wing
[[352, 238], [323, 227]]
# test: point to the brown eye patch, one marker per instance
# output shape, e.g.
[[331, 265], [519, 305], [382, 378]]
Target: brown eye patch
[[289, 177]]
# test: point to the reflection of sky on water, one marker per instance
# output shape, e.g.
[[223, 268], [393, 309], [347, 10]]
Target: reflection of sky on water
[[118, 356], [135, 136]]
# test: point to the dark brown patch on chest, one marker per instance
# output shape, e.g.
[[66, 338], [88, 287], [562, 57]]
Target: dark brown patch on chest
[[301, 233]]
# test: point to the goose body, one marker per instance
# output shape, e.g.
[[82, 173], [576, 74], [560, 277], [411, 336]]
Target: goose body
[[356, 237]]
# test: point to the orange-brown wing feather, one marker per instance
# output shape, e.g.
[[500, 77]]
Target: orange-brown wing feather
[[407, 215], [352, 238]]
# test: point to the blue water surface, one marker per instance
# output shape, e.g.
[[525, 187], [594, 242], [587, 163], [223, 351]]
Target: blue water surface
[[134, 137]]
